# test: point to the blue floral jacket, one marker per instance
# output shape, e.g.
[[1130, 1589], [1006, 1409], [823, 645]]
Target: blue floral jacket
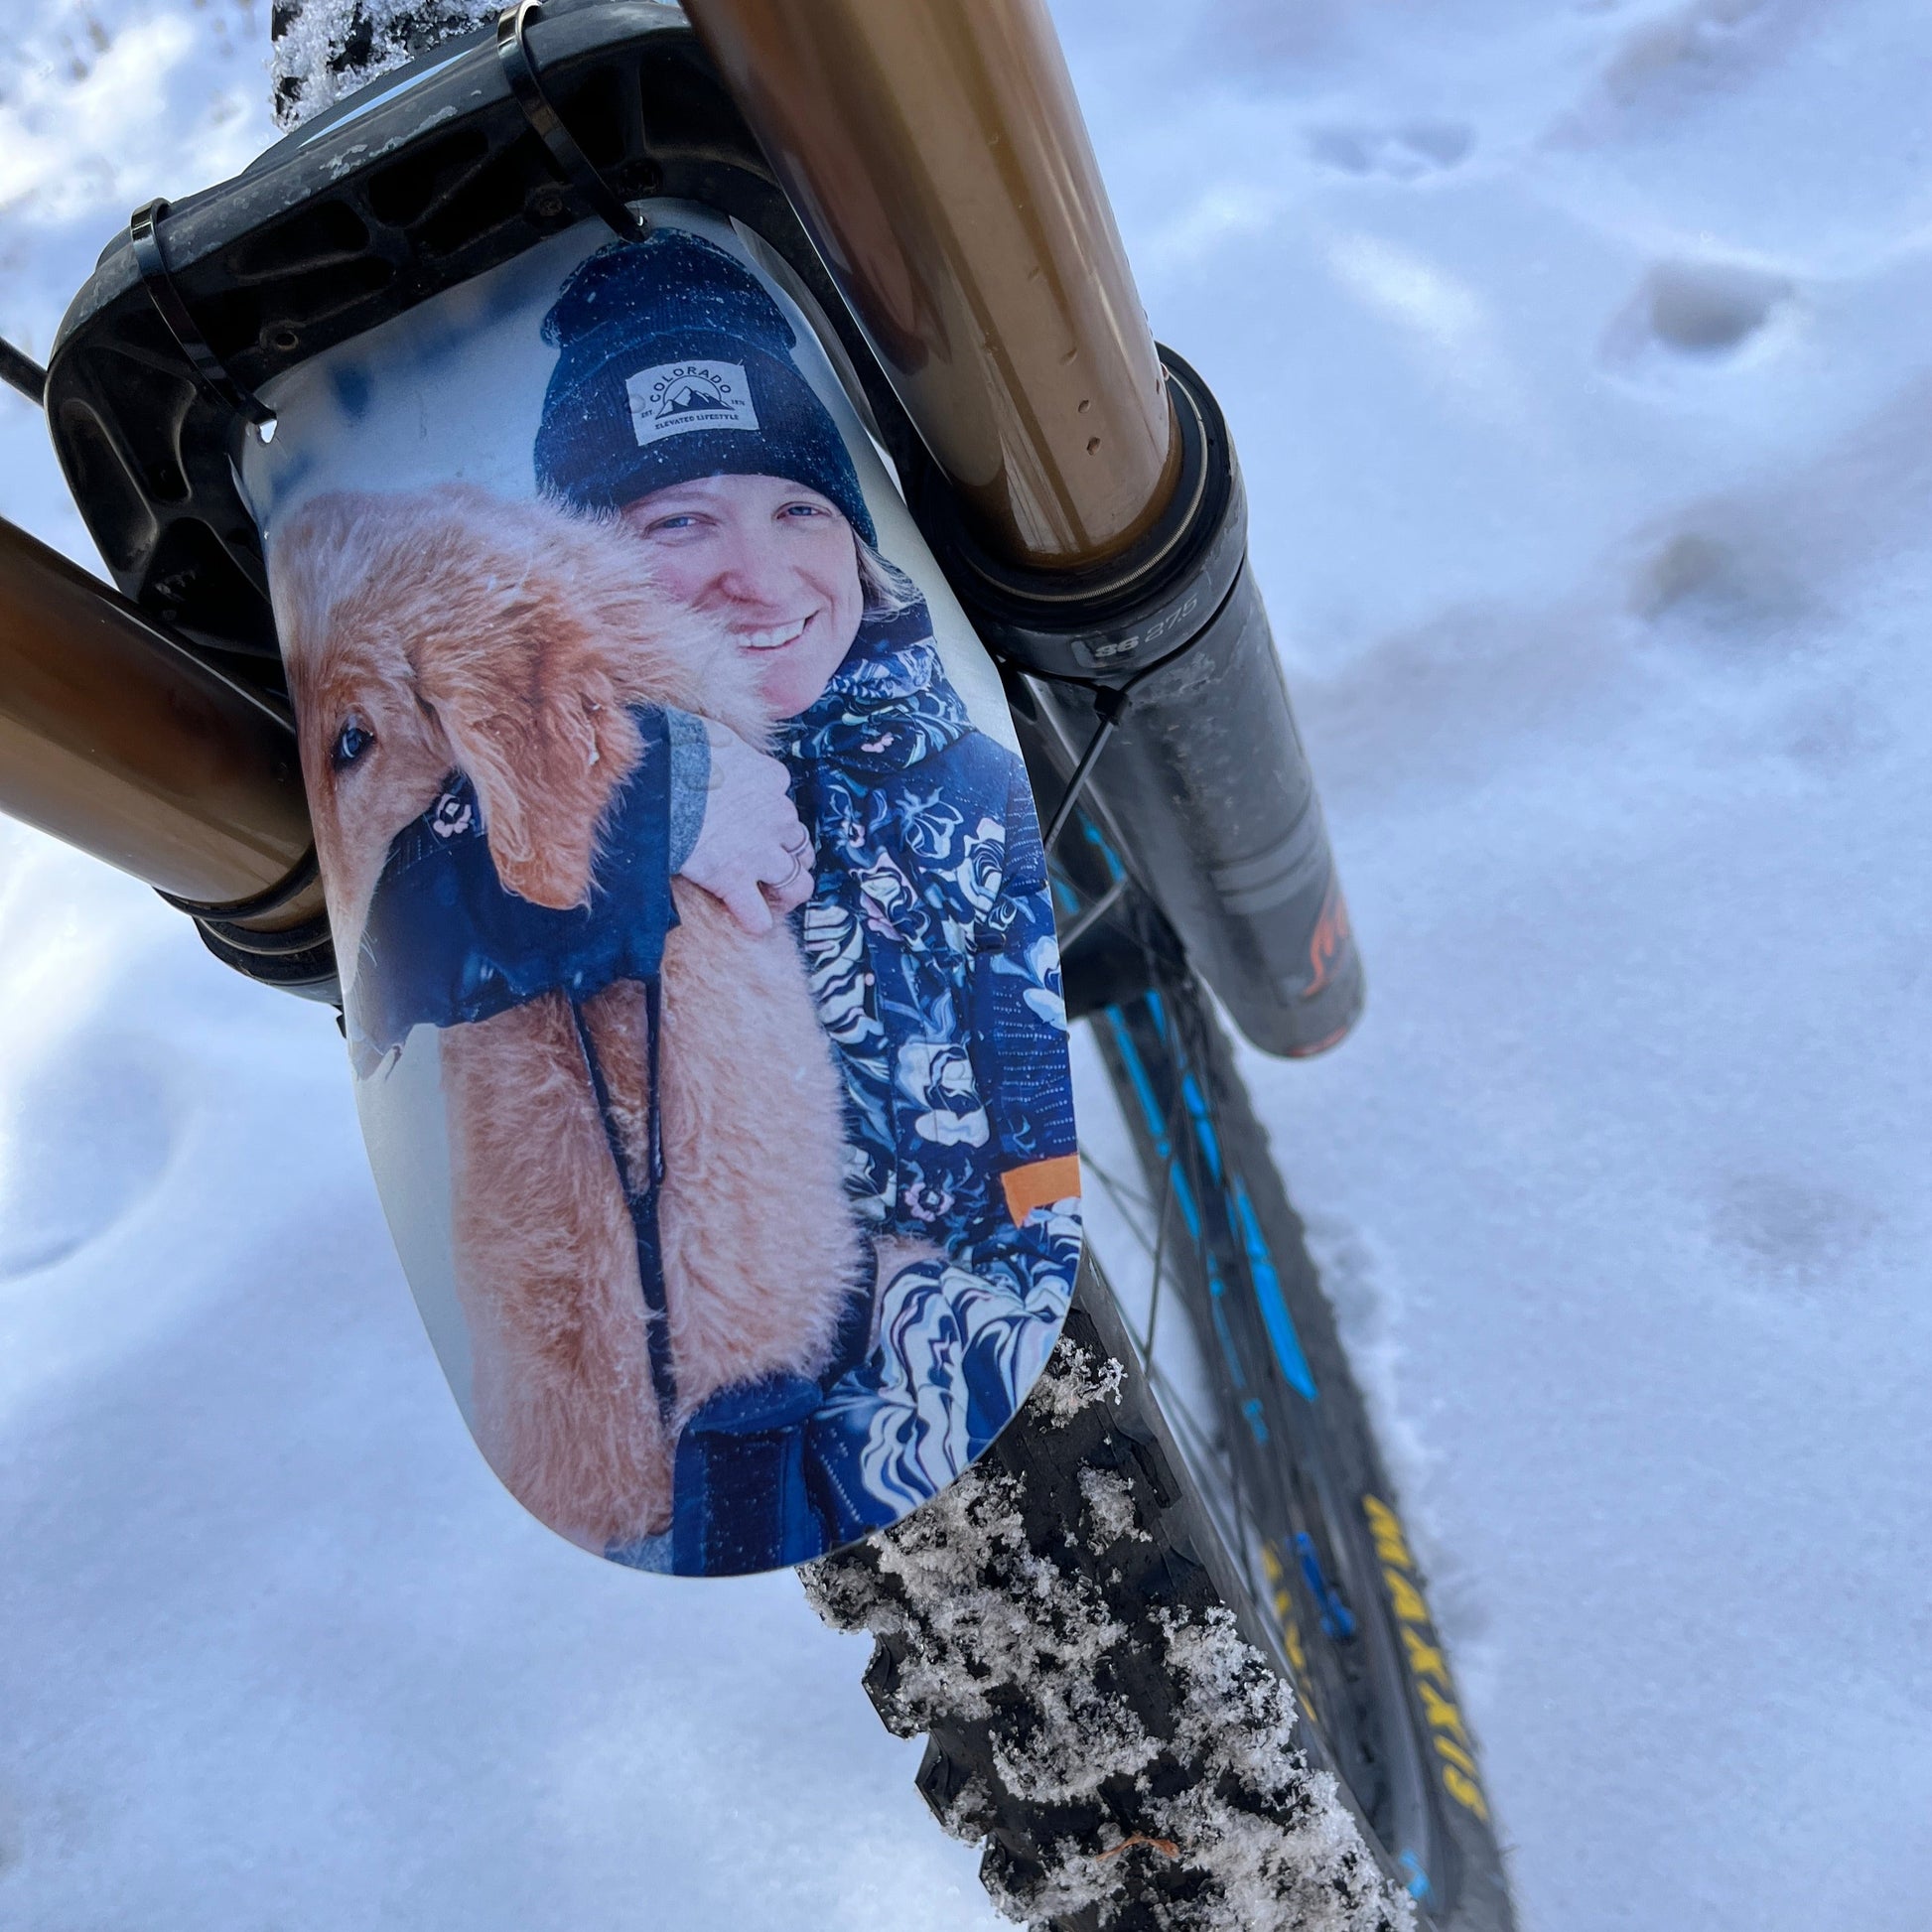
[[929, 942], [929, 939]]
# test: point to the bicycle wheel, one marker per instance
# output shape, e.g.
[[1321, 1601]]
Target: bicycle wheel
[[1239, 1469]]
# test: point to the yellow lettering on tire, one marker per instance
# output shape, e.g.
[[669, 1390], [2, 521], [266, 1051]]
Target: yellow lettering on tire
[[1404, 1597]]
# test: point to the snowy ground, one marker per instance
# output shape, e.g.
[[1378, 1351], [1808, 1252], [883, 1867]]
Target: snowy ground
[[1578, 358]]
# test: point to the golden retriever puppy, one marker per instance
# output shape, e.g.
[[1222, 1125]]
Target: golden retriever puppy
[[447, 630]]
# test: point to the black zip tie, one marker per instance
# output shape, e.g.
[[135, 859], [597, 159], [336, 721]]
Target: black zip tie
[[144, 232], [1110, 702], [20, 372], [569, 160]]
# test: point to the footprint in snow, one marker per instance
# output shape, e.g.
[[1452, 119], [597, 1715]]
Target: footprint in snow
[[1694, 317], [1733, 598], [1791, 1234], [82, 1143], [1405, 153]]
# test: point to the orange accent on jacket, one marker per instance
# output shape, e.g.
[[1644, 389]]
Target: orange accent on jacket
[[1041, 1182]]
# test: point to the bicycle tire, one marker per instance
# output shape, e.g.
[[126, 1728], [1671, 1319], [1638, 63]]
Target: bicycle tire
[[1097, 1718], [1302, 1547]]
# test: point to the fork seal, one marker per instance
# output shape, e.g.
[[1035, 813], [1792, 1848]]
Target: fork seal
[[291, 887]]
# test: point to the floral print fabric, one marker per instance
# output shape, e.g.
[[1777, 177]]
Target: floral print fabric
[[929, 940]]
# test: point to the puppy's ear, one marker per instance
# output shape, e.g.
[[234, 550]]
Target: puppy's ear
[[533, 720]]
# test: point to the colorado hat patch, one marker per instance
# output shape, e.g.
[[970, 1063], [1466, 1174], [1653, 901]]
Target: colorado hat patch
[[696, 393]]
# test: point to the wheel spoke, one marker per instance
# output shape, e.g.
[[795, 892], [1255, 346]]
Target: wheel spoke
[[1159, 1256]]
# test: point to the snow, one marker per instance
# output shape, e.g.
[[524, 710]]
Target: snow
[[1576, 355], [325, 50], [1578, 363]]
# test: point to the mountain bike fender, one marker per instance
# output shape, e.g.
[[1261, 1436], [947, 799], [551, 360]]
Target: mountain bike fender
[[688, 903], [743, 1215]]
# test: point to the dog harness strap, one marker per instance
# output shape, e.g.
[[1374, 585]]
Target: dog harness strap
[[641, 1201], [653, 1005]]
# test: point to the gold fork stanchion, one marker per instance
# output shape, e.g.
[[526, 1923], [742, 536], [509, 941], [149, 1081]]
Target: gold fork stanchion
[[937, 155], [117, 739]]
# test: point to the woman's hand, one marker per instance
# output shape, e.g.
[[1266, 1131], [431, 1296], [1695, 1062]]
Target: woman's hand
[[751, 853]]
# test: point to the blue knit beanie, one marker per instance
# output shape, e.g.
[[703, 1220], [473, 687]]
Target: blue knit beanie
[[673, 363]]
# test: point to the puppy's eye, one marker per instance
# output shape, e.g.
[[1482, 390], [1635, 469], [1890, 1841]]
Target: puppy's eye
[[351, 742]]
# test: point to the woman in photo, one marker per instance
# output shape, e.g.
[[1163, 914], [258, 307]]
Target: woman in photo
[[676, 406]]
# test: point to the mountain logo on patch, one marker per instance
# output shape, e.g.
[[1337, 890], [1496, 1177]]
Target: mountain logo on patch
[[676, 397]]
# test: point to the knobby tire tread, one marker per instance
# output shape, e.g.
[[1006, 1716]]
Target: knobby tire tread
[[1083, 1510]]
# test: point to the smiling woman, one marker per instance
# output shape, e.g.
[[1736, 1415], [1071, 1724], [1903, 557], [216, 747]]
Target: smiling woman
[[776, 562]]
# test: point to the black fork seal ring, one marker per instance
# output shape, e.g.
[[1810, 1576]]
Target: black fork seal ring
[[569, 160]]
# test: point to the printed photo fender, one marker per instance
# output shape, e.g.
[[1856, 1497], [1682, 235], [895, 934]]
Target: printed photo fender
[[701, 985]]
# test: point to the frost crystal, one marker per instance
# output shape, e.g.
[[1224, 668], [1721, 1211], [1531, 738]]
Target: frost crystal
[[325, 49]]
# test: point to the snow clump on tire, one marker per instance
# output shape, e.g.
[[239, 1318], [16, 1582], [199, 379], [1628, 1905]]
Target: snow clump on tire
[[1095, 1719]]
